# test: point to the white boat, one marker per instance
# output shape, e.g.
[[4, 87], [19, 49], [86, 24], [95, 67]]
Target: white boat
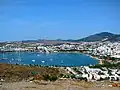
[[19, 57], [33, 60], [3, 57], [61, 61], [13, 59], [38, 55], [43, 61], [51, 59]]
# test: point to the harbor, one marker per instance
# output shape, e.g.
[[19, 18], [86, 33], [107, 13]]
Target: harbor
[[51, 59]]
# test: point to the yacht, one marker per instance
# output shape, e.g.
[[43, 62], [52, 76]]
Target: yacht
[[61, 62], [19, 57], [3, 57], [43, 61], [33, 60], [51, 59], [38, 55]]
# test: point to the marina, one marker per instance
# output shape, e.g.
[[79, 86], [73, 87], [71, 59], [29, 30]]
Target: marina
[[58, 59]]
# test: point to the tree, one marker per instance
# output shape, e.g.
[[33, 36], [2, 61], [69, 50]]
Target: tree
[[46, 77], [53, 78]]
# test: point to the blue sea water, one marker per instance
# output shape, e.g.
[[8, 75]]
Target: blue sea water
[[60, 59]]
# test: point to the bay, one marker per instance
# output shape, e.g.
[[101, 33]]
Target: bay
[[59, 59]]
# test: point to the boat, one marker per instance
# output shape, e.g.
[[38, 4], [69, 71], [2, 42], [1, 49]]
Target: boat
[[33, 60], [3, 57], [18, 50], [51, 59], [43, 61], [61, 62], [38, 55], [19, 57], [13, 59]]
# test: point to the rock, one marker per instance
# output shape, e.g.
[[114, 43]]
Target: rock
[[2, 80], [0, 83], [31, 79], [110, 85]]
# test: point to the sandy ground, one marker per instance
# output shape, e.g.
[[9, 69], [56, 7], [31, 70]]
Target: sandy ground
[[14, 77], [58, 85]]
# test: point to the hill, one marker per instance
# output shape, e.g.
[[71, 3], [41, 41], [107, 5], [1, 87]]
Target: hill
[[103, 36]]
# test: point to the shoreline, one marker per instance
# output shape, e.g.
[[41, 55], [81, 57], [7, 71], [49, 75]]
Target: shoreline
[[77, 52], [96, 58]]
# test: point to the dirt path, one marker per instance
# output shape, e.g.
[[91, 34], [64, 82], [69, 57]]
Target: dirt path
[[67, 85]]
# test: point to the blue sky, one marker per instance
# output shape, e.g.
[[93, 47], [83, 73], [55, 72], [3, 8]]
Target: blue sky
[[57, 19]]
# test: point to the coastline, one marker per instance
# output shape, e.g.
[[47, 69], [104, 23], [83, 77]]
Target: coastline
[[96, 58], [77, 52]]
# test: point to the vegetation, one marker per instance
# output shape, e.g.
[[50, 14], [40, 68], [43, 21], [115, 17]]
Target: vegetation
[[48, 77], [18, 72], [100, 37], [107, 65]]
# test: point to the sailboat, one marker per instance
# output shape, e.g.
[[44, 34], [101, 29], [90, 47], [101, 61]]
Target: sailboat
[[43, 61], [61, 62], [3, 57], [19, 56]]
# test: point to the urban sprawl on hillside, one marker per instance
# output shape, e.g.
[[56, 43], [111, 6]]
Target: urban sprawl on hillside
[[108, 54]]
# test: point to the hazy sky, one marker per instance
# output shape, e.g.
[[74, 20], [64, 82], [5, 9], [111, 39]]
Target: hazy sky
[[53, 19]]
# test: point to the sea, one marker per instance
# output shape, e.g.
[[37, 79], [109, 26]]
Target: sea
[[51, 59]]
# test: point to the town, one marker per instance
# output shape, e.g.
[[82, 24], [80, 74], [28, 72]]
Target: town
[[108, 54], [111, 49]]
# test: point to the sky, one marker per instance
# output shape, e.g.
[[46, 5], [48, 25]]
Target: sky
[[57, 19]]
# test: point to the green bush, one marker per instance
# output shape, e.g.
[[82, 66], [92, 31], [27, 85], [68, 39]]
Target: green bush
[[61, 75], [53, 78], [48, 77]]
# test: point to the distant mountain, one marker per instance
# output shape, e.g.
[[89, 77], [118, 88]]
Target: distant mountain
[[104, 36], [45, 41]]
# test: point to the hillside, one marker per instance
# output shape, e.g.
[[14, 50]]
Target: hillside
[[104, 36]]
